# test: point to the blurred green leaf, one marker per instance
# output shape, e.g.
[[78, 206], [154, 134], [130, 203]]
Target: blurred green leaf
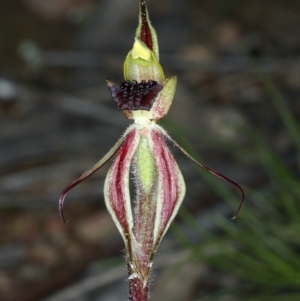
[[261, 248]]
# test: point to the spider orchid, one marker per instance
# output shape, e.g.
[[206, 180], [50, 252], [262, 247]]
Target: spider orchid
[[145, 96]]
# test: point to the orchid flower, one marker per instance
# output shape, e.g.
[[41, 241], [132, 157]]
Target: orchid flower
[[145, 96]]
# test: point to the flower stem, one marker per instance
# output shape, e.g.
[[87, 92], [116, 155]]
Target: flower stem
[[138, 291]]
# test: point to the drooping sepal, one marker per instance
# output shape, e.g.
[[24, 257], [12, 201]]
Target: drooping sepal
[[211, 171], [159, 193], [171, 186], [116, 187]]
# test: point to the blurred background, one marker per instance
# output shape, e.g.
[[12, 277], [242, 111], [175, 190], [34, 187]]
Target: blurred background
[[236, 109]]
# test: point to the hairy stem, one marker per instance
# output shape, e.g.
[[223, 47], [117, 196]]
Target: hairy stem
[[138, 291]]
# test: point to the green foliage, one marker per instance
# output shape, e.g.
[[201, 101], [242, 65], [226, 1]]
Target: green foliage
[[262, 247]]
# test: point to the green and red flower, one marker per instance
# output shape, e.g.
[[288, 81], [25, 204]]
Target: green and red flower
[[145, 96]]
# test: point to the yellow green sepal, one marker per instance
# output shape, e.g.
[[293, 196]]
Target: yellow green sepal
[[140, 50], [142, 64], [145, 21]]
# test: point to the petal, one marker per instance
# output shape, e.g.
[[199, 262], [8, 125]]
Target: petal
[[171, 186], [88, 173], [116, 186], [213, 172]]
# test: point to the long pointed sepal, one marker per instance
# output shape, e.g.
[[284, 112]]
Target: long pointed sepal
[[116, 186], [145, 31], [171, 186]]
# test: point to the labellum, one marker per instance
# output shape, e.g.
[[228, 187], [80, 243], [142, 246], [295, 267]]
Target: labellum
[[145, 96]]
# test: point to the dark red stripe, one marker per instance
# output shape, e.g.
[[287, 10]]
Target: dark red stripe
[[145, 34], [116, 185], [168, 174]]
